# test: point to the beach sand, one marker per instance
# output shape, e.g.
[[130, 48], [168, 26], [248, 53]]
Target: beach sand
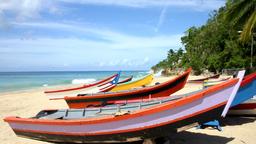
[[28, 103]]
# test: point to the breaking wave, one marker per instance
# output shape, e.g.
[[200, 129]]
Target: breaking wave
[[45, 85], [83, 81]]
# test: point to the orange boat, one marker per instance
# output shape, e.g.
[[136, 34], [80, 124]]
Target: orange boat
[[160, 90]]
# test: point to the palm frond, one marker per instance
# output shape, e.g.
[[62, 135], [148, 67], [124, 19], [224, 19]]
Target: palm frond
[[234, 11], [248, 27]]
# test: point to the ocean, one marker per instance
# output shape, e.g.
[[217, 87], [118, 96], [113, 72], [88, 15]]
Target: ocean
[[16, 81]]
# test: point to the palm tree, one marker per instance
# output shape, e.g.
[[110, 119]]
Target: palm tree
[[242, 13]]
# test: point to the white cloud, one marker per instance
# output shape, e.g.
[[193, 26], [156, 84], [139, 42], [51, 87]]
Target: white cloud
[[29, 9], [161, 18], [198, 4], [113, 39], [122, 52], [22, 8], [3, 23]]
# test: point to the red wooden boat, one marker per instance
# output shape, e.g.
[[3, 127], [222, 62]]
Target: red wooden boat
[[100, 86], [203, 79], [160, 90], [126, 123], [125, 80]]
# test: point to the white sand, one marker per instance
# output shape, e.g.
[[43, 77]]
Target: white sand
[[28, 103]]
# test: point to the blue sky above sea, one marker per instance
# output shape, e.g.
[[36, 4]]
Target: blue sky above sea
[[64, 35]]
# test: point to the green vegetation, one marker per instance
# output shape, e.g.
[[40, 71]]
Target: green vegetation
[[242, 13], [216, 45]]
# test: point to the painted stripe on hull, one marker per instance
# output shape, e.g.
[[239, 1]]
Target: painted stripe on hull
[[129, 136], [245, 106]]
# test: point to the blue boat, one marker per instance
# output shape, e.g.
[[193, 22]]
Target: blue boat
[[246, 91]]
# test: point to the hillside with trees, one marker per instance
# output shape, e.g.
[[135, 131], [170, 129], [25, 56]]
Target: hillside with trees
[[224, 42]]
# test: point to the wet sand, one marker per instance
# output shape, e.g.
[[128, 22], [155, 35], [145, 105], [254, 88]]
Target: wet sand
[[28, 103]]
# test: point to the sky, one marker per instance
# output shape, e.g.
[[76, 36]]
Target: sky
[[85, 35]]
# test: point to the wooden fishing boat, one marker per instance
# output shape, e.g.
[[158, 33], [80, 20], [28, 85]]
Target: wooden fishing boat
[[134, 84], [126, 123], [99, 86], [203, 79], [125, 80], [208, 83], [163, 89], [247, 109]]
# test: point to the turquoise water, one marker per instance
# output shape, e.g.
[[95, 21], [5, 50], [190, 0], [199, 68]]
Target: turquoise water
[[15, 81]]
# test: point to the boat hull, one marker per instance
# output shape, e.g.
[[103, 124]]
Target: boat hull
[[203, 79], [246, 91], [134, 84], [247, 108], [164, 130]]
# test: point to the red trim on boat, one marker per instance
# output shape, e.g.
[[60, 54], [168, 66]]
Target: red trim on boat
[[108, 88], [82, 87], [103, 84], [125, 80], [248, 79], [244, 106]]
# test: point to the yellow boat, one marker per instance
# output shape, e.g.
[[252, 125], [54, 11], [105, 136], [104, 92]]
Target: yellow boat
[[133, 84]]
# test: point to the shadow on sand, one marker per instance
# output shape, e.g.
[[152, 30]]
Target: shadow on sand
[[186, 137], [194, 138], [189, 138], [231, 121]]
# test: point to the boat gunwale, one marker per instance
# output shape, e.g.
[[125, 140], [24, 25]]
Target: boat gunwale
[[248, 79], [125, 80], [203, 79]]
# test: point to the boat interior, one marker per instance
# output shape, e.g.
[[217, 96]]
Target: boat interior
[[111, 109]]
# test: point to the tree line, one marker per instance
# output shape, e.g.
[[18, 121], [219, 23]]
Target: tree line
[[224, 42]]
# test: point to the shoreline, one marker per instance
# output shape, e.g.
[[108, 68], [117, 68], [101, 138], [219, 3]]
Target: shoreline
[[43, 88]]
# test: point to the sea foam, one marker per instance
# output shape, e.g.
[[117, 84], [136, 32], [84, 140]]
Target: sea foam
[[83, 81], [45, 85]]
